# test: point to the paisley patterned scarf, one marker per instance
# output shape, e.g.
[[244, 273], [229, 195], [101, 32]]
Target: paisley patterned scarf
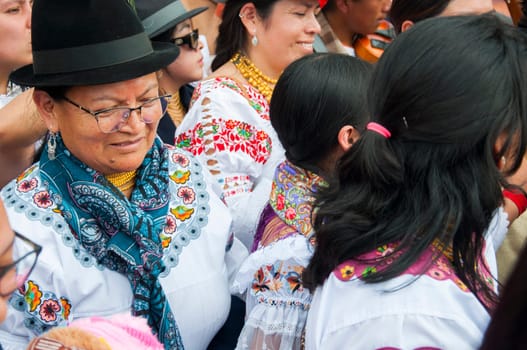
[[292, 196], [121, 234]]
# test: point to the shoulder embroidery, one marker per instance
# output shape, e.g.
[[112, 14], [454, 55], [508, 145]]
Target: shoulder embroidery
[[27, 194], [441, 269], [189, 206], [42, 310]]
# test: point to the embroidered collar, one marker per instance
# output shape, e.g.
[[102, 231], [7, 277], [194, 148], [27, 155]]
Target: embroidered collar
[[292, 195]]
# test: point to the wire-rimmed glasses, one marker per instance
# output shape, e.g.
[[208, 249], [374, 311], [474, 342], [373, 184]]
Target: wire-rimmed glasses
[[113, 119], [14, 275]]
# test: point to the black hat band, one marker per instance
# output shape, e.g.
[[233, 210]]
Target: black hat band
[[93, 56], [165, 15]]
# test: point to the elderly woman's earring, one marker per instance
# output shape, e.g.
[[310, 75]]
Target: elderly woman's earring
[[254, 40], [52, 145]]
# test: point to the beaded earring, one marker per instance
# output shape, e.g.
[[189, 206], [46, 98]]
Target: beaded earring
[[52, 145]]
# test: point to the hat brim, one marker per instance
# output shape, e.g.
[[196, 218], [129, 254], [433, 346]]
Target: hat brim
[[178, 19], [163, 55]]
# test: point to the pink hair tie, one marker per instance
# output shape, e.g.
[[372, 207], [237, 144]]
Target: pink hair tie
[[378, 128]]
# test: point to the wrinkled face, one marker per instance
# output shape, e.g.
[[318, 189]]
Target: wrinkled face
[[460, 7], [15, 34], [188, 66], [6, 252], [287, 34], [364, 15], [116, 152]]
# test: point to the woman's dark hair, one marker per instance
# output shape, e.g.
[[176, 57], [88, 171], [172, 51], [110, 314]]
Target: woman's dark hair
[[446, 103], [415, 11], [232, 35], [314, 98]]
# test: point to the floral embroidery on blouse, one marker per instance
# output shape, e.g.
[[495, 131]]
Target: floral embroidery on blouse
[[279, 277], [189, 207], [42, 310], [441, 269], [292, 196], [218, 135], [187, 215]]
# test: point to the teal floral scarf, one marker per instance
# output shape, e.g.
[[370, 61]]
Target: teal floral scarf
[[121, 234]]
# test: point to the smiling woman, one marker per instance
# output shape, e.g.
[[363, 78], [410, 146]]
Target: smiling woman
[[227, 126]]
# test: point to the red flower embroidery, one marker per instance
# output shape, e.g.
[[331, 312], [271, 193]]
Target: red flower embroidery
[[187, 194], [226, 135], [290, 213], [280, 202], [48, 310], [27, 185], [180, 159], [170, 226], [42, 199]]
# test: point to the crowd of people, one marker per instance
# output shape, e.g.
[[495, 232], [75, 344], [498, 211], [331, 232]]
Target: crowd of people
[[303, 174]]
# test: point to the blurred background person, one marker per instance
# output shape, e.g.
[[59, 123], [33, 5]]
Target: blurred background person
[[344, 22], [16, 137]]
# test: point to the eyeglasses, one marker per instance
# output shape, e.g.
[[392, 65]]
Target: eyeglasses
[[191, 39], [113, 119], [15, 274]]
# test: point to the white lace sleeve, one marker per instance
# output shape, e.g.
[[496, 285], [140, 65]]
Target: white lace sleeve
[[277, 303]]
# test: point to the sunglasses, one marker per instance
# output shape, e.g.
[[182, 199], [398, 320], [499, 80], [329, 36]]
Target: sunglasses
[[191, 39]]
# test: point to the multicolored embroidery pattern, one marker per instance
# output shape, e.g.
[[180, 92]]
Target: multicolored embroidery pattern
[[187, 214], [30, 196], [42, 310], [233, 185], [440, 269], [292, 195], [189, 207], [283, 282], [218, 135]]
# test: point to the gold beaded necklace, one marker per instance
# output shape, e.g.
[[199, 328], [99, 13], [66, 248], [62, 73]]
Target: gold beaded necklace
[[123, 181], [254, 76]]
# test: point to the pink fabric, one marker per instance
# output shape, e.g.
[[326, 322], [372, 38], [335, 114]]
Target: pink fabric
[[121, 332]]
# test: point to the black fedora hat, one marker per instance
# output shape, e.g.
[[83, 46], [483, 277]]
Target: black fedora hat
[[159, 16], [88, 42]]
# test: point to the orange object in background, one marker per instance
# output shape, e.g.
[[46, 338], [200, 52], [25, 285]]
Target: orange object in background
[[510, 8], [370, 47]]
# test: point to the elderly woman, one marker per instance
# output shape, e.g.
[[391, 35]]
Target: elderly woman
[[127, 225]]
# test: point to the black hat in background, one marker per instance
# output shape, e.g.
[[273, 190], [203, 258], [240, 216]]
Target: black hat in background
[[89, 42], [159, 16]]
